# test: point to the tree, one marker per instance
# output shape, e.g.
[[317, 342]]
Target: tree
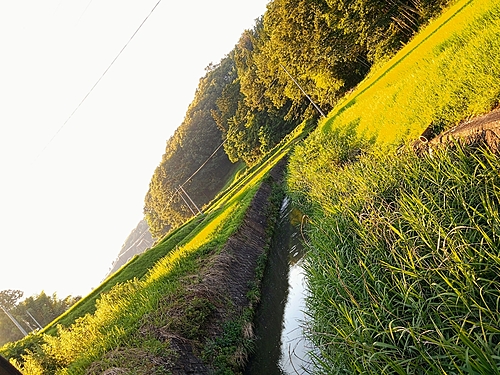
[[38, 309], [9, 298], [186, 151]]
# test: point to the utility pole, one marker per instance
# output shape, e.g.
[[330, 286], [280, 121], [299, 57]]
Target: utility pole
[[14, 321], [194, 204], [184, 199], [301, 89], [36, 321]]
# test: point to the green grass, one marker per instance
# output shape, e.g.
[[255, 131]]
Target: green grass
[[137, 267], [258, 170], [450, 71], [119, 313], [146, 293], [404, 264]]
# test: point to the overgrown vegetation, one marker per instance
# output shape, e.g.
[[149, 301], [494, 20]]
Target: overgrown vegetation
[[118, 317], [139, 316], [403, 266], [403, 263]]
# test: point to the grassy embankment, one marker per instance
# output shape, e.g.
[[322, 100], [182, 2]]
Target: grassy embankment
[[124, 314], [404, 263]]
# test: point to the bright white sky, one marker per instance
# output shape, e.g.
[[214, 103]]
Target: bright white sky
[[67, 203]]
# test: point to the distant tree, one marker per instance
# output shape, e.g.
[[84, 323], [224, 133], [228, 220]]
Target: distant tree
[[328, 46], [9, 298], [46, 308], [42, 308]]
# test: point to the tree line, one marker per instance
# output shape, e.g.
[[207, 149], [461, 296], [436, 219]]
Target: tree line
[[31, 313], [250, 102]]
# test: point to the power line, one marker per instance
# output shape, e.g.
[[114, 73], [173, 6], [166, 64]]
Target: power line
[[85, 10], [206, 161], [187, 180], [100, 78], [16, 323], [192, 202]]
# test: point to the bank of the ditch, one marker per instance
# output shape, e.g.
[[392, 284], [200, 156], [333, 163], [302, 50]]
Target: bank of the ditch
[[226, 293], [192, 313], [403, 267]]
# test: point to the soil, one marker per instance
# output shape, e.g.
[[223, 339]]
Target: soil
[[227, 278]]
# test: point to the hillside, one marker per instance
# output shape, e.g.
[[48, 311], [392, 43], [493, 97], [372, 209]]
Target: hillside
[[251, 100], [402, 235], [138, 241]]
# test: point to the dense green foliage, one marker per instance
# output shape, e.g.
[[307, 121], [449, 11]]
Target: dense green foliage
[[191, 145], [403, 266], [326, 46], [403, 263]]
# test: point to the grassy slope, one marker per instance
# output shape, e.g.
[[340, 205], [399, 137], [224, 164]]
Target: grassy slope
[[447, 73], [404, 267], [111, 315]]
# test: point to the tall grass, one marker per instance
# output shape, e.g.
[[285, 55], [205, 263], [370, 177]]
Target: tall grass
[[404, 262]]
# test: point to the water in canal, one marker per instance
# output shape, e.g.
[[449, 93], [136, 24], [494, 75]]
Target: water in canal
[[281, 348]]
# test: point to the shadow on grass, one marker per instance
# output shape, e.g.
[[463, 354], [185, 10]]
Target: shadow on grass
[[328, 126]]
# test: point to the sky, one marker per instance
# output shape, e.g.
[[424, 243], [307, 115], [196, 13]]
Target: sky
[[76, 162]]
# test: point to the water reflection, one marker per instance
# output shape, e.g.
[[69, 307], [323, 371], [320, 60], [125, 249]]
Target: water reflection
[[281, 347], [293, 345]]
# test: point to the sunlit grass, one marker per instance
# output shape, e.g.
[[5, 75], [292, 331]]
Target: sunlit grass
[[119, 311], [404, 263], [120, 304], [137, 267], [206, 235], [449, 72]]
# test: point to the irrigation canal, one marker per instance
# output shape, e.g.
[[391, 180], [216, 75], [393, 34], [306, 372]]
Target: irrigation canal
[[281, 348]]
